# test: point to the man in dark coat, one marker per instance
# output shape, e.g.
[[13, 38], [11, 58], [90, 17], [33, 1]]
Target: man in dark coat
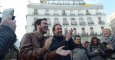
[[7, 36], [59, 40]]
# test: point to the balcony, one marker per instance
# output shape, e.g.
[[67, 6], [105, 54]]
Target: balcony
[[93, 34], [72, 14], [80, 14], [101, 22], [90, 23], [84, 34], [56, 14], [98, 13], [88, 14], [35, 13], [82, 24], [74, 23], [56, 22], [65, 23], [46, 14]]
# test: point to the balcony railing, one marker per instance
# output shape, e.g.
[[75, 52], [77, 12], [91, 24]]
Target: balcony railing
[[56, 22], [98, 13], [47, 14], [56, 14], [82, 23], [90, 23], [65, 23], [101, 22], [84, 34], [74, 23]]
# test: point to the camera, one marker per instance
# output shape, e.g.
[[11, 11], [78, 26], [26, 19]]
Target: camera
[[8, 12]]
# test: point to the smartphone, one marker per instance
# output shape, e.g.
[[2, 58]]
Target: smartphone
[[8, 12]]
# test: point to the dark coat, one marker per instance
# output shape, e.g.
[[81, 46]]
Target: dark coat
[[56, 43], [93, 55], [7, 39]]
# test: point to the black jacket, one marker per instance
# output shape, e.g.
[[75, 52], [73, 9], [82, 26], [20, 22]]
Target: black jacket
[[60, 41], [7, 39]]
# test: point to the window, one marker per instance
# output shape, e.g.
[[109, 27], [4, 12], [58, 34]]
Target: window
[[102, 28], [47, 12], [100, 21], [91, 31], [74, 31], [56, 13], [82, 22], [87, 12], [73, 21], [56, 21], [98, 12], [83, 31], [35, 11], [65, 31], [63, 12], [90, 21], [65, 21], [71, 13], [48, 20], [35, 19], [48, 32], [80, 12]]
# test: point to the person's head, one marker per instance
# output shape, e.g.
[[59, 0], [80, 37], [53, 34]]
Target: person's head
[[85, 44], [77, 39], [41, 25], [106, 32], [57, 30], [94, 41]]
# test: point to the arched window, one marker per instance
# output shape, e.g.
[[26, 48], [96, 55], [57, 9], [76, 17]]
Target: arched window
[[74, 31], [82, 22], [91, 30], [56, 21], [65, 21], [73, 21], [90, 21], [83, 31]]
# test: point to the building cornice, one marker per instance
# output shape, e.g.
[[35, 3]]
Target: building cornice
[[63, 7]]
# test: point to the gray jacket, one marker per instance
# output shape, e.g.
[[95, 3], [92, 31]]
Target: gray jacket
[[93, 55], [80, 54]]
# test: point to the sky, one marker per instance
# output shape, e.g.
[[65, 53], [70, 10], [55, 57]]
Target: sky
[[20, 7]]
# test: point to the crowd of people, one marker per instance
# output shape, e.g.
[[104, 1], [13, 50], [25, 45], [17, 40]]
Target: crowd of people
[[36, 46]]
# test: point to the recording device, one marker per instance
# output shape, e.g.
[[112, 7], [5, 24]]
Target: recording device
[[8, 12]]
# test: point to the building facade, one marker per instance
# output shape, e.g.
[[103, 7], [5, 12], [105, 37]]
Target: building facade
[[112, 22], [86, 20]]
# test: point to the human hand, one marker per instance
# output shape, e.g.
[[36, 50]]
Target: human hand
[[69, 35], [109, 46], [48, 42], [62, 52], [96, 51], [10, 23]]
